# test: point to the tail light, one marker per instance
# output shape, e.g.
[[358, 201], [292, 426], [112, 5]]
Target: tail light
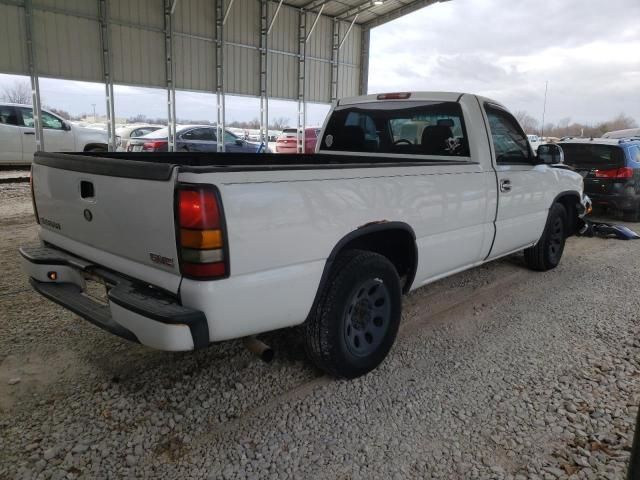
[[201, 232], [622, 172], [33, 196], [155, 145], [394, 96]]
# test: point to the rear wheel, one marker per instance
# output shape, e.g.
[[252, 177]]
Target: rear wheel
[[546, 254], [357, 316]]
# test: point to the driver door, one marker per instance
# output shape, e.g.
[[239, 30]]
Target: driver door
[[56, 138], [523, 204]]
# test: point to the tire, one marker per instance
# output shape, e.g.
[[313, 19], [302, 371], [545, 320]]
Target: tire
[[97, 149], [356, 319], [546, 254]]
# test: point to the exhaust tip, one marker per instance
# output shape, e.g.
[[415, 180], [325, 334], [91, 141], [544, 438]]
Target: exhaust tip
[[258, 348]]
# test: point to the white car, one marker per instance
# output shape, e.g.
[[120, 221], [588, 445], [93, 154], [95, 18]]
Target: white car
[[17, 135], [203, 247], [535, 142], [125, 133]]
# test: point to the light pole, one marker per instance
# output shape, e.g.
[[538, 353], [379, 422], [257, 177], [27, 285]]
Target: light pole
[[94, 112], [544, 108]]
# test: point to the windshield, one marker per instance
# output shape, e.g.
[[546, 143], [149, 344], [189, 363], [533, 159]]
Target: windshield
[[588, 155]]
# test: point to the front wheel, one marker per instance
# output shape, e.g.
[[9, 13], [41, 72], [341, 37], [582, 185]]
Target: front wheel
[[546, 254], [357, 316]]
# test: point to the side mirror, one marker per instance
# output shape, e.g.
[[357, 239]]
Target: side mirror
[[66, 126], [239, 142], [550, 153]]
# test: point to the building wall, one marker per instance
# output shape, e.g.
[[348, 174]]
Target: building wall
[[67, 45]]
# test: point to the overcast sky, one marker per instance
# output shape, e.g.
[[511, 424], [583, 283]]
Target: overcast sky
[[588, 51]]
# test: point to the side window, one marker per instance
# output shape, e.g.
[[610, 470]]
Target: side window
[[199, 134], [509, 141], [8, 115], [27, 117], [49, 121], [142, 131], [229, 137]]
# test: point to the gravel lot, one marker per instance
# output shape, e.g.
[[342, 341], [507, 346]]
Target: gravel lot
[[499, 373]]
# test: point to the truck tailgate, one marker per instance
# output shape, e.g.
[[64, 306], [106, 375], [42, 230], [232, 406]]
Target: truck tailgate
[[107, 212]]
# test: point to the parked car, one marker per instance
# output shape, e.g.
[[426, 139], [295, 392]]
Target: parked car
[[17, 135], [125, 133], [287, 142], [535, 141], [611, 171], [626, 133], [191, 138], [224, 246]]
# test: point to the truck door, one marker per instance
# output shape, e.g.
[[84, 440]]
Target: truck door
[[56, 137], [522, 185], [10, 136]]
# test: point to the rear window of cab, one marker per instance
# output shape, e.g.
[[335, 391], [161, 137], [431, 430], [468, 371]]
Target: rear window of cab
[[415, 128]]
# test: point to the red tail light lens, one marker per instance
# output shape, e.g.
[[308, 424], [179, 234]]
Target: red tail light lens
[[155, 145], [623, 172], [201, 236], [198, 209]]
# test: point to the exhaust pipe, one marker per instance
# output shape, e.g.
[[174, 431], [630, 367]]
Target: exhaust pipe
[[258, 348]]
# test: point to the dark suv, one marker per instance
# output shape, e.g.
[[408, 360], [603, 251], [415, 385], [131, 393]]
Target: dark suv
[[611, 172]]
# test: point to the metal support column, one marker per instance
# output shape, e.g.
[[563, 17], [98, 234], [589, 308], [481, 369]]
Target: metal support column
[[105, 45], [220, 74], [302, 56], [33, 74], [170, 74], [335, 57], [364, 61], [264, 72]]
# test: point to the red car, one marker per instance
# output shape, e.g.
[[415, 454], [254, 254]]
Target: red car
[[287, 141]]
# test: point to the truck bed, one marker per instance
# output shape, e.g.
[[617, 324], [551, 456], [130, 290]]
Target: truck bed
[[158, 165]]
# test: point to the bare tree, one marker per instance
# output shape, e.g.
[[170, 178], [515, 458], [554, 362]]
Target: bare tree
[[279, 123], [20, 92], [526, 121]]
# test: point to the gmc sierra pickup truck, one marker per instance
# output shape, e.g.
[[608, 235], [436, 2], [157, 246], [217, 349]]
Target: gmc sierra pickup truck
[[185, 249]]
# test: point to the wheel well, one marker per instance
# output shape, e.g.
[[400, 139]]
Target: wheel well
[[397, 243], [569, 202], [92, 146]]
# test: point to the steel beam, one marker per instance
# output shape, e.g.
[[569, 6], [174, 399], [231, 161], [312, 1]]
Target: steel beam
[[335, 60], [364, 61], [315, 22], [400, 12], [350, 12], [33, 75], [105, 46], [170, 75], [220, 101], [302, 67], [275, 15], [227, 12], [264, 72]]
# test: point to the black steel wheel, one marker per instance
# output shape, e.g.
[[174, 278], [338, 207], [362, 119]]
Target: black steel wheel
[[546, 254], [357, 315]]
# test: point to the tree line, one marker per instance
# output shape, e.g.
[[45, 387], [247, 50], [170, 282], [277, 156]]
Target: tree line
[[565, 127]]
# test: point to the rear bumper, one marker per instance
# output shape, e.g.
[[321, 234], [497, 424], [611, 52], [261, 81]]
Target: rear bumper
[[617, 201], [132, 310]]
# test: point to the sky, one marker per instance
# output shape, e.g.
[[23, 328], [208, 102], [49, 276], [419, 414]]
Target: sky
[[587, 51]]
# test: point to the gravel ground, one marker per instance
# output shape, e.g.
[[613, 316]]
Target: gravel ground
[[498, 373]]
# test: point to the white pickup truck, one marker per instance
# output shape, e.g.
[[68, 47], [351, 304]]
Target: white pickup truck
[[196, 248]]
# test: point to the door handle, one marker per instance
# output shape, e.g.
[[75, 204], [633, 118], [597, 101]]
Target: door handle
[[29, 133], [505, 185]]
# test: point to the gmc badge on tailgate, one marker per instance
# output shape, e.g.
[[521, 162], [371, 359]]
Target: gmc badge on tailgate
[[155, 258]]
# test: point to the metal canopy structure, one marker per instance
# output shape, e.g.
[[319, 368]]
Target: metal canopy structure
[[301, 50]]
